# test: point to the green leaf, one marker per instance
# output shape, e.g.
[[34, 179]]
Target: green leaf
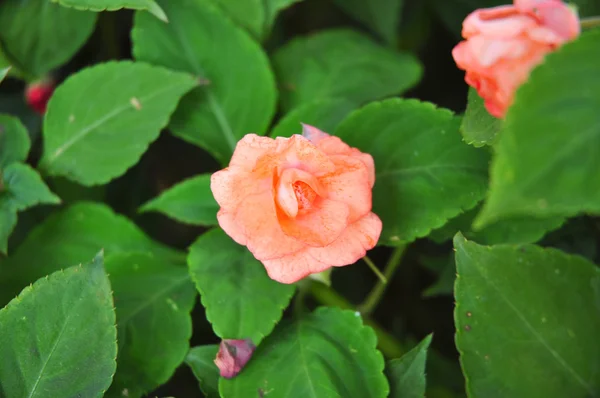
[[329, 353], [237, 94], [241, 301], [201, 361], [8, 221], [548, 154], [478, 127], [92, 142], [68, 237], [38, 36], [341, 64], [4, 72], [445, 269], [14, 141], [190, 201], [425, 173], [513, 230], [527, 321], [113, 5], [58, 337], [381, 16], [326, 114], [153, 301], [407, 374], [24, 187]]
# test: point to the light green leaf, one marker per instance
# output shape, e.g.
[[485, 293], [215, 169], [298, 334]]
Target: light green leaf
[[92, 142], [201, 361], [329, 353], [70, 235], [527, 321], [24, 188], [4, 72], [113, 5], [341, 64], [407, 374], [238, 93], [381, 16], [14, 141], [38, 36], [478, 127], [190, 201], [548, 154], [8, 221], [425, 173], [58, 338], [325, 114], [153, 300], [512, 230], [241, 301]]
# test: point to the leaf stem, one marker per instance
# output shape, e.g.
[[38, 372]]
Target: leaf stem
[[375, 270], [378, 290], [387, 343], [588, 23]]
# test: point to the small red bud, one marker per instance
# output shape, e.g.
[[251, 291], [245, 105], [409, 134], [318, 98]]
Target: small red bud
[[37, 95], [233, 356]]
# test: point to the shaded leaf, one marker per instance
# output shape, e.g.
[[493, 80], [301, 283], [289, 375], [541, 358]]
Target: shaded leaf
[[38, 36], [478, 127], [425, 173], [191, 201], [153, 300], [527, 321], [326, 114], [113, 5], [24, 188], [8, 221], [241, 301], [407, 374], [237, 95], [58, 337], [381, 16], [558, 106], [341, 64], [14, 141], [325, 354], [4, 72], [92, 142], [201, 361]]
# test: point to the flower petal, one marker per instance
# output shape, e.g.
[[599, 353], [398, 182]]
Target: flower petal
[[293, 267]]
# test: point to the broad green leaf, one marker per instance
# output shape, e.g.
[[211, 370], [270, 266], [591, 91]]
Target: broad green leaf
[[24, 188], [237, 94], [38, 36], [8, 221], [92, 142], [113, 5], [58, 337], [241, 301], [548, 154], [153, 300], [14, 141], [527, 321], [329, 353], [512, 230], [407, 374], [201, 361], [425, 173], [478, 127], [190, 201], [381, 16], [69, 237], [325, 114], [341, 64], [3, 72]]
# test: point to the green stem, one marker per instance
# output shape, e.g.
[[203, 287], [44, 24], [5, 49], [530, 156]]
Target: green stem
[[388, 344], [375, 270], [588, 23], [376, 293]]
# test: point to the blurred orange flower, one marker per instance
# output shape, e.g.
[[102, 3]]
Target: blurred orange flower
[[301, 205], [503, 44]]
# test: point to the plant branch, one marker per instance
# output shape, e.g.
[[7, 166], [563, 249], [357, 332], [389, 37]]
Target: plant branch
[[588, 23]]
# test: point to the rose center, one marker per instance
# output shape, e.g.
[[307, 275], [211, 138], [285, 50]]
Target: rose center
[[304, 194]]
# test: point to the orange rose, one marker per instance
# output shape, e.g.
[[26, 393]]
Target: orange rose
[[505, 43], [301, 205]]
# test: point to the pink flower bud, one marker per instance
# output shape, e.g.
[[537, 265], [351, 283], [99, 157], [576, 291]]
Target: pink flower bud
[[233, 356], [38, 94]]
